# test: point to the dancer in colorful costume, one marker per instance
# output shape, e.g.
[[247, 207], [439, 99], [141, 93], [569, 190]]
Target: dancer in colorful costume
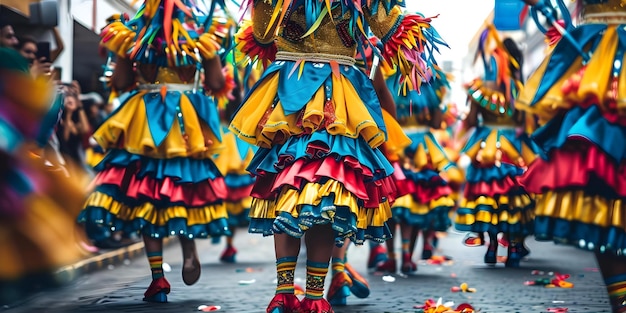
[[317, 120], [499, 149], [39, 201], [577, 94], [232, 162], [158, 178], [426, 206]]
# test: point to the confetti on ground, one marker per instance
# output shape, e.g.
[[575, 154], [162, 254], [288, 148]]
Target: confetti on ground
[[389, 278], [440, 260], [557, 310], [557, 281], [430, 306], [462, 288], [247, 282], [537, 272], [248, 270], [209, 308]]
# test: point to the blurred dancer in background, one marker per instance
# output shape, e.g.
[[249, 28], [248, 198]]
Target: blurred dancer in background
[[158, 178]]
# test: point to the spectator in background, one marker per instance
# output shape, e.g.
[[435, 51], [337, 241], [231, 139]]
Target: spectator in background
[[74, 126], [27, 46], [7, 35]]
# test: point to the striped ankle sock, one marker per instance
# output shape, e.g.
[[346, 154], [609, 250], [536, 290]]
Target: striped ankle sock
[[616, 288], [285, 269], [406, 246], [315, 276], [338, 265], [156, 264]]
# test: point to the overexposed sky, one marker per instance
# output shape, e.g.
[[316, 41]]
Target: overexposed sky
[[458, 21]]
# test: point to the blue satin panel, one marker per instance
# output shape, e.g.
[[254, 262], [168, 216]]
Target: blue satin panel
[[161, 113], [206, 109], [587, 123]]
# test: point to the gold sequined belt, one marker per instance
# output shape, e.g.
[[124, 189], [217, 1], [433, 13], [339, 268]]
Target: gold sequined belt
[[315, 57], [604, 18], [169, 87]]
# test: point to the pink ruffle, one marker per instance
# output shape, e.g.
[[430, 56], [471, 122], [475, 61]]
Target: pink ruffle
[[575, 165], [490, 189], [191, 194], [348, 171]]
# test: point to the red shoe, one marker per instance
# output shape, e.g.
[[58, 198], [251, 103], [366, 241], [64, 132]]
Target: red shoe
[[158, 290], [339, 289], [284, 303], [378, 255], [360, 288], [471, 240], [389, 266], [408, 266], [228, 256], [315, 306]]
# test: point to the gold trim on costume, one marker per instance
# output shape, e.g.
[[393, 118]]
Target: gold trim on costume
[[314, 57]]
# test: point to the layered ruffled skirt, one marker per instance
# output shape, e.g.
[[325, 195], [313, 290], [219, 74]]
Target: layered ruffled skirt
[[493, 200], [319, 128], [158, 178], [580, 180], [428, 204]]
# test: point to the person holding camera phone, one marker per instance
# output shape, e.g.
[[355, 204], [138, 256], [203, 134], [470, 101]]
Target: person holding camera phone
[[39, 63]]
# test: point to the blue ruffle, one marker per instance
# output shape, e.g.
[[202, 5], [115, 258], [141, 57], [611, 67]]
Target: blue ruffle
[[239, 220], [514, 230], [182, 170], [238, 181], [343, 223], [423, 176], [586, 123], [476, 174], [266, 160], [588, 237], [419, 138], [438, 219], [482, 132], [99, 222]]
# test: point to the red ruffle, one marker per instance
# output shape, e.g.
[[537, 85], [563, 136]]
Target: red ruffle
[[238, 194], [490, 189], [193, 195], [348, 171], [426, 193], [574, 165], [403, 185]]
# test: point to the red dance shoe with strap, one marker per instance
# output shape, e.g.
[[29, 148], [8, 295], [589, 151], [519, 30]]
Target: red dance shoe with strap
[[284, 303], [158, 290], [315, 306]]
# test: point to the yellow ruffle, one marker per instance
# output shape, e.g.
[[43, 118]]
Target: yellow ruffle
[[351, 119], [490, 155], [408, 202], [520, 203], [229, 161], [290, 201], [93, 158], [397, 140], [576, 206], [594, 83], [43, 239], [236, 208], [157, 216], [128, 129]]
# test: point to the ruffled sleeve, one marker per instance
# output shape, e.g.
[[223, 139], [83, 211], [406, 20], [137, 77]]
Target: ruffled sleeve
[[409, 42], [255, 38]]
